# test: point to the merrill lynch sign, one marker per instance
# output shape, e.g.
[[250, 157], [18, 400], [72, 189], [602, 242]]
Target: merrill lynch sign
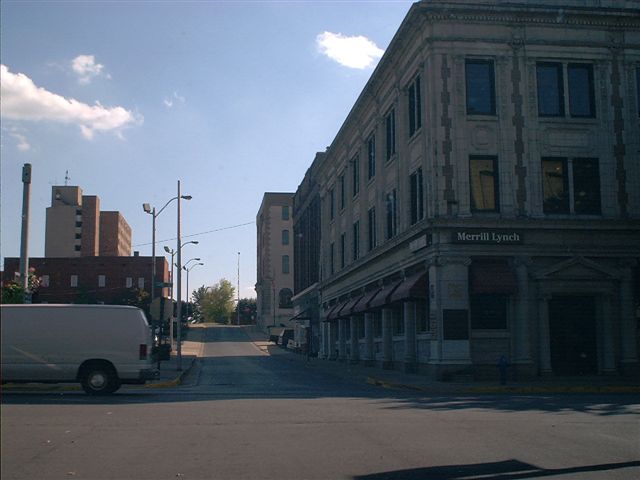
[[491, 237]]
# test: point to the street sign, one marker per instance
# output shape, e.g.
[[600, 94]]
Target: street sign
[[164, 284]]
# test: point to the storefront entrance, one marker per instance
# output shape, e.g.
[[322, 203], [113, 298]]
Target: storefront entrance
[[572, 328]]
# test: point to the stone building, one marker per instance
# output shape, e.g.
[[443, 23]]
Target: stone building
[[274, 280], [482, 198], [77, 228]]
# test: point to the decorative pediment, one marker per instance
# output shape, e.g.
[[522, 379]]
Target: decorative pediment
[[577, 268]]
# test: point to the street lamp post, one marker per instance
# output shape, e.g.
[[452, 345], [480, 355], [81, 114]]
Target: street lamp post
[[152, 211], [172, 252], [184, 267]]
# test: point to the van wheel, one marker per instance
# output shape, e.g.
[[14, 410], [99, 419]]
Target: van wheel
[[100, 380]]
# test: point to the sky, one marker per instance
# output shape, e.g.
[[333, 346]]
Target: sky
[[231, 98]]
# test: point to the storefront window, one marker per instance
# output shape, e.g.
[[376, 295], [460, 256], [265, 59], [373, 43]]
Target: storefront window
[[489, 312]]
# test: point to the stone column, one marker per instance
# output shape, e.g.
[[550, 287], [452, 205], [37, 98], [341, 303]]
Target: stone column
[[369, 358], [608, 352], [324, 340], [410, 347], [628, 326], [544, 339], [522, 333], [387, 338], [333, 327], [342, 340], [355, 341]]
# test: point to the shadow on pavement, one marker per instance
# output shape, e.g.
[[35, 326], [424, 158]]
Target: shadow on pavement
[[505, 470]]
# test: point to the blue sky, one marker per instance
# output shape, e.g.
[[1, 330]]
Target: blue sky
[[231, 98]]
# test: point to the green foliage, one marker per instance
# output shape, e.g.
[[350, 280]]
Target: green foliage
[[135, 297], [247, 311], [217, 304], [197, 297], [12, 292]]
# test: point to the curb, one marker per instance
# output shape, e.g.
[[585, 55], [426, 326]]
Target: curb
[[172, 383], [504, 389]]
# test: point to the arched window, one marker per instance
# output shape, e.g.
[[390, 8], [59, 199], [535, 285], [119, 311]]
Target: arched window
[[285, 298]]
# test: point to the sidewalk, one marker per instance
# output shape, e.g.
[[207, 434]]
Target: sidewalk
[[191, 349], [399, 380]]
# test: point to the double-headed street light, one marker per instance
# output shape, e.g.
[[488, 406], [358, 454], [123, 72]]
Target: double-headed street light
[[172, 252], [152, 211], [188, 270]]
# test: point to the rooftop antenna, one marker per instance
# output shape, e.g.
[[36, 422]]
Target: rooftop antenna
[[66, 178]]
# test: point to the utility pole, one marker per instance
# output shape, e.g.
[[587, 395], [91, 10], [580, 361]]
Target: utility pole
[[179, 307], [24, 236], [238, 304]]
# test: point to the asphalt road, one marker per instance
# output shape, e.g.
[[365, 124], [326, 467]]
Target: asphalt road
[[242, 414]]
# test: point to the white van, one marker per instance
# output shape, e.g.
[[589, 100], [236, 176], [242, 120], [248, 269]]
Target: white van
[[101, 346]]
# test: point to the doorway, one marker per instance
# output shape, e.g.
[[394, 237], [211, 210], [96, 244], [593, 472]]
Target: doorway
[[573, 335]]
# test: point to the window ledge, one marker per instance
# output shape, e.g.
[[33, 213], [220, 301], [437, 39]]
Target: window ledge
[[487, 333], [482, 117], [570, 120]]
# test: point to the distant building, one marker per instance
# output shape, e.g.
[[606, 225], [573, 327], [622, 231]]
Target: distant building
[[306, 254], [482, 198], [274, 282], [109, 280], [77, 228]]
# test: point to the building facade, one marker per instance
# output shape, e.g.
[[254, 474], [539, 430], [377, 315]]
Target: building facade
[[482, 198], [77, 228], [108, 280], [274, 280], [306, 254]]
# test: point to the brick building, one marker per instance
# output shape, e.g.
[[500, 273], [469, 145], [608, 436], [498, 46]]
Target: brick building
[[108, 280]]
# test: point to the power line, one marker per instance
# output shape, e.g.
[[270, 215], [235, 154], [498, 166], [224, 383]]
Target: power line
[[196, 234]]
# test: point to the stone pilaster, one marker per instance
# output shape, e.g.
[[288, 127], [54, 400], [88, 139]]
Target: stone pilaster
[[608, 349], [410, 351], [387, 338], [333, 335], [628, 326], [522, 320], [342, 340], [369, 358], [354, 357], [544, 340]]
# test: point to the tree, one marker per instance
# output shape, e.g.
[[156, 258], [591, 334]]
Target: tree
[[12, 292], [198, 296], [217, 304], [247, 310]]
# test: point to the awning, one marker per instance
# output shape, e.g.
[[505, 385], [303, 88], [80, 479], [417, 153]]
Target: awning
[[347, 310], [382, 298], [335, 311], [302, 316], [363, 303], [413, 287], [486, 277]]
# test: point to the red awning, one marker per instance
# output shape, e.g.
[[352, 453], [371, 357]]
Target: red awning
[[363, 303], [382, 298], [415, 286], [492, 277]]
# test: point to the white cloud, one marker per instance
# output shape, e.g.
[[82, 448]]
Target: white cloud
[[169, 102], [353, 52], [23, 100], [87, 68], [22, 143]]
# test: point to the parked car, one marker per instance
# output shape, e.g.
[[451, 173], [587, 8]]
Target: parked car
[[100, 346], [284, 337]]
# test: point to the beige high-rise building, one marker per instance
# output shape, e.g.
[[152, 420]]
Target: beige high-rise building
[[77, 228], [274, 285]]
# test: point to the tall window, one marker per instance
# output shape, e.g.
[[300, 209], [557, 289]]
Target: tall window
[[285, 237], [377, 324], [581, 196], [356, 240], [390, 131], [102, 280], [355, 165], [44, 281], [341, 185], [391, 214], [371, 157], [481, 95], [483, 179], [551, 94], [332, 258], [332, 204], [285, 264], [398, 321], [128, 283], [343, 250], [550, 89], [141, 283], [417, 196], [581, 95], [284, 297], [74, 281], [373, 240], [415, 106], [638, 89], [285, 212]]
